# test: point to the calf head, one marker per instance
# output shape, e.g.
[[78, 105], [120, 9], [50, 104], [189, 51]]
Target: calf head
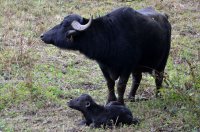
[[63, 34], [81, 103]]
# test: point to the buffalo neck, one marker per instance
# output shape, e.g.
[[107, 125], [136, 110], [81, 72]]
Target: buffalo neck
[[95, 41]]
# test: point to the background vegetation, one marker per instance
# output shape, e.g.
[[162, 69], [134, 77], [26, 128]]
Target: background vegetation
[[36, 80]]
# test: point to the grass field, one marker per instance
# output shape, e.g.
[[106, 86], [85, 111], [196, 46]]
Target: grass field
[[36, 80]]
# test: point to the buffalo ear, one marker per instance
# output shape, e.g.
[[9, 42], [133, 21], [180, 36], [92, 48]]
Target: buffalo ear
[[70, 34], [87, 104]]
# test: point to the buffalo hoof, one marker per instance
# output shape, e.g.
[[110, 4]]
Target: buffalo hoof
[[136, 121], [114, 103], [158, 95], [131, 98], [82, 123], [111, 99]]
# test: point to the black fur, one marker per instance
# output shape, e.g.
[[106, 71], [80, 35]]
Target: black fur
[[123, 42], [106, 116]]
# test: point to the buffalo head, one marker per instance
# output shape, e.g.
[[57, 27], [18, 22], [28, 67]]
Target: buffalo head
[[82, 103], [62, 35]]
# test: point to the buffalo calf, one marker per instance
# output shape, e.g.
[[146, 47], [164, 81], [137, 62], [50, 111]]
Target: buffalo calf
[[97, 115]]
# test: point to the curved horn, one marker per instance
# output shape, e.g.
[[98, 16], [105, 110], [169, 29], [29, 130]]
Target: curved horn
[[77, 26]]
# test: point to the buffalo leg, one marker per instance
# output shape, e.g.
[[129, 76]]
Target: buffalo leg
[[121, 86], [110, 85], [158, 81], [136, 78]]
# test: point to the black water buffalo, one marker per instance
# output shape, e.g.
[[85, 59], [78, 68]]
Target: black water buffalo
[[123, 42], [97, 115]]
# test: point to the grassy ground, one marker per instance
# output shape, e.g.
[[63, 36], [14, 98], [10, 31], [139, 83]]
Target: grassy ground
[[37, 80]]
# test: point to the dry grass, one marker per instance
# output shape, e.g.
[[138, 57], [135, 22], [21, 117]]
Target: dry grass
[[36, 80]]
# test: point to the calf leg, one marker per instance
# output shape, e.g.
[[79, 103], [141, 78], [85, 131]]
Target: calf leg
[[110, 85], [136, 78], [158, 81], [121, 86]]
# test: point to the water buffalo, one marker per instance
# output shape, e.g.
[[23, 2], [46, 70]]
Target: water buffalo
[[123, 42], [97, 115]]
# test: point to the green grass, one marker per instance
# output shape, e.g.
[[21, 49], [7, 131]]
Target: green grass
[[36, 80]]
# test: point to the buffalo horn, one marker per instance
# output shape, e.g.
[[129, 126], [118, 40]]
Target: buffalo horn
[[77, 26]]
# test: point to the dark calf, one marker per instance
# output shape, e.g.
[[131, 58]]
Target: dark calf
[[106, 116]]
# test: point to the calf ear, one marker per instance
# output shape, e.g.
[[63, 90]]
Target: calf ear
[[87, 104]]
